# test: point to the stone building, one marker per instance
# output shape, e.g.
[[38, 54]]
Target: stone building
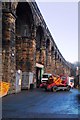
[[27, 45]]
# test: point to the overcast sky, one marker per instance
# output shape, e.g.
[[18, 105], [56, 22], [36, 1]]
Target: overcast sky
[[62, 21]]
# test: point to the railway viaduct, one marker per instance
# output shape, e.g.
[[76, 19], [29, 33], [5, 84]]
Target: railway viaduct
[[27, 45]]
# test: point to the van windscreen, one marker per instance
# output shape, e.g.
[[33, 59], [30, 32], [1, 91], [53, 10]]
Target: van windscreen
[[63, 78], [45, 76], [72, 80]]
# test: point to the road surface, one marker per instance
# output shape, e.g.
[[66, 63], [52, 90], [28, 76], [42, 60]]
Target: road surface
[[38, 103]]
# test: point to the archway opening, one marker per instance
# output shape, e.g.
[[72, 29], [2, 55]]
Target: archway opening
[[48, 44], [24, 19], [47, 50], [39, 45], [23, 25], [39, 37], [23, 31], [52, 52]]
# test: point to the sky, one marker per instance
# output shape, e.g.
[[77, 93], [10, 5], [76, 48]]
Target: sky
[[62, 21]]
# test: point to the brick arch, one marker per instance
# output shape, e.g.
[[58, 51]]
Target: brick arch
[[23, 32], [55, 54], [24, 19], [39, 43], [48, 44], [58, 57], [39, 37], [48, 53], [52, 52], [14, 5]]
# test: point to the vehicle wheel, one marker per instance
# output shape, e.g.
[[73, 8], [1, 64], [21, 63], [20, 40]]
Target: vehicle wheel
[[54, 89], [68, 88]]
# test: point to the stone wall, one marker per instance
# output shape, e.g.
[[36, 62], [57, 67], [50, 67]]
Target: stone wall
[[8, 49]]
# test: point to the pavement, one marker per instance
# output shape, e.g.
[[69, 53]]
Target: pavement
[[38, 103]]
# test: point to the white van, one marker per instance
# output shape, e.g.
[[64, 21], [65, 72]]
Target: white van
[[45, 77]]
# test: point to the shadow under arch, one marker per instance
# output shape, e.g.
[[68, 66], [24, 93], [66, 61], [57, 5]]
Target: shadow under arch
[[39, 54], [24, 19], [24, 42]]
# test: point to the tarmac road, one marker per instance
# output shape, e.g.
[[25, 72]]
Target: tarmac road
[[38, 103]]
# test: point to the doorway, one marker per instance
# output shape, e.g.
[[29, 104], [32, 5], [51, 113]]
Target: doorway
[[38, 76]]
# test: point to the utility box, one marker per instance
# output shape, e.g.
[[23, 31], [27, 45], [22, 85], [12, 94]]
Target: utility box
[[27, 79], [18, 80]]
